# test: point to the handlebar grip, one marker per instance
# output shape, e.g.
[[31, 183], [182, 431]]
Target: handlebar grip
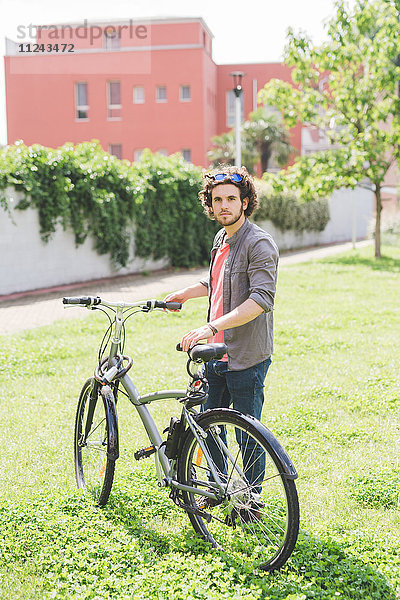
[[173, 305], [83, 300], [167, 305]]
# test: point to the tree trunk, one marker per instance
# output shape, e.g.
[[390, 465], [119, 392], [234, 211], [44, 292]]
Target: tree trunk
[[378, 221], [266, 152]]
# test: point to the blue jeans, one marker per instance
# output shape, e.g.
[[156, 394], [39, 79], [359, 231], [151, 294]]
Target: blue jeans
[[244, 391]]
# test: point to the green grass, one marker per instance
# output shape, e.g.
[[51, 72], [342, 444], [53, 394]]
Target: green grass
[[332, 398]]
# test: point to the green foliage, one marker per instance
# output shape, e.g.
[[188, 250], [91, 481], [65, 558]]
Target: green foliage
[[265, 132], [286, 212], [348, 88], [93, 193], [171, 220], [263, 136], [377, 489], [224, 150], [316, 175], [125, 551], [84, 188]]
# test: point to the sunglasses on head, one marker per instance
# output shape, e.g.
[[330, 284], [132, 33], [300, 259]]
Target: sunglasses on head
[[222, 176]]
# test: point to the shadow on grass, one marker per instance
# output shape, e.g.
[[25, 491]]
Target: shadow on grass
[[133, 514], [385, 263], [320, 568], [66, 541]]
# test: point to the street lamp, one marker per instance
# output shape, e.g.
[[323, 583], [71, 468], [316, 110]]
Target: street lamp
[[237, 89]]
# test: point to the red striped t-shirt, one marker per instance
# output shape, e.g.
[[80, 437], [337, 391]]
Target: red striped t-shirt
[[217, 284]]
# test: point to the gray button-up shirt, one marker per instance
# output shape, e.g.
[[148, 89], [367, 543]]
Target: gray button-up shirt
[[250, 272]]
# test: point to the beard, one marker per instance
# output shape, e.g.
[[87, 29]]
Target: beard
[[232, 219]]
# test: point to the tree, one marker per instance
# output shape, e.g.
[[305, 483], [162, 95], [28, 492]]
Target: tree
[[223, 151], [265, 132], [263, 135], [347, 87]]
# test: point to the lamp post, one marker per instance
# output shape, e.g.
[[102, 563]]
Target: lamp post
[[237, 89]]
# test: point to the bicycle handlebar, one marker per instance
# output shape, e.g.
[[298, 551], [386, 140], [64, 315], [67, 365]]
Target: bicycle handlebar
[[146, 305]]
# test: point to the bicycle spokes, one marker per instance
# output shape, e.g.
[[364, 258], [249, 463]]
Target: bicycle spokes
[[93, 466], [251, 516]]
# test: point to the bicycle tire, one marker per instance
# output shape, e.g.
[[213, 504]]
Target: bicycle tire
[[258, 517], [97, 449]]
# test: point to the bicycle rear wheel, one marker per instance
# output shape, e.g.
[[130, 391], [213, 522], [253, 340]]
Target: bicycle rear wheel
[[256, 517], [96, 441]]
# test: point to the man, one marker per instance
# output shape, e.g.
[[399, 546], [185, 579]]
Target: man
[[241, 290]]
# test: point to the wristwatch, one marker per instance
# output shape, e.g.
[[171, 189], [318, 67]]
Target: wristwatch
[[213, 328]]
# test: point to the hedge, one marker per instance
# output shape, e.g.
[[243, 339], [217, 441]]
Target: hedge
[[288, 213], [153, 200], [92, 193]]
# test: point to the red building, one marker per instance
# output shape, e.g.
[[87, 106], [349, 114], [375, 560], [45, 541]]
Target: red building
[[131, 85]]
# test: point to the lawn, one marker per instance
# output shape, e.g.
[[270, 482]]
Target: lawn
[[332, 399]]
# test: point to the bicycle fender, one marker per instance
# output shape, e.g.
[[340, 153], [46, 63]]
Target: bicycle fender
[[289, 470], [92, 403], [109, 404]]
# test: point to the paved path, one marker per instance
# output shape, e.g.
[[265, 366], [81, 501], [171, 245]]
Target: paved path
[[19, 312]]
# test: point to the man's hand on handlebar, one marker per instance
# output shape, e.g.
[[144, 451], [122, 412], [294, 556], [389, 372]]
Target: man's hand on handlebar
[[197, 290], [178, 296]]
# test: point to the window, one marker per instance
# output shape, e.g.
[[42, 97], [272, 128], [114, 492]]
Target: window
[[230, 107], [138, 94], [137, 154], [113, 100], [184, 95], [115, 150], [161, 93], [111, 39], [163, 151], [81, 101], [187, 154]]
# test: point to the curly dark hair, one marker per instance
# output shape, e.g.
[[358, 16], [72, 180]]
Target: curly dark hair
[[246, 188]]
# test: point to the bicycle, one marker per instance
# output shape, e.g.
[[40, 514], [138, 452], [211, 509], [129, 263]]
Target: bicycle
[[225, 469]]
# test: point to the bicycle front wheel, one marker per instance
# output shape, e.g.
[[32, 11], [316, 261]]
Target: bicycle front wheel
[[256, 514], [96, 441]]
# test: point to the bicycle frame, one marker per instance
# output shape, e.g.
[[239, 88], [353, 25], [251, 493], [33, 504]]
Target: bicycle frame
[[167, 466], [164, 465]]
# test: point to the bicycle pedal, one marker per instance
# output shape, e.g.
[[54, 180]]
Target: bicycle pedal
[[202, 504], [144, 452], [197, 511]]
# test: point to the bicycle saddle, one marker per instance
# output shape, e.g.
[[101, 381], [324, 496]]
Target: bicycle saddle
[[206, 352]]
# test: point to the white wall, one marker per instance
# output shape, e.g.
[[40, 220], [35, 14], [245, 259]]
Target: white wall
[[27, 263], [339, 227]]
